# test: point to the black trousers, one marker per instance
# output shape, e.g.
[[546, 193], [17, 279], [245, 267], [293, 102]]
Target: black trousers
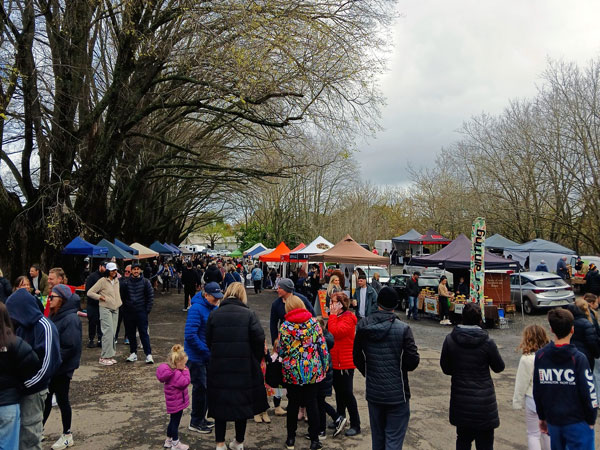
[[173, 428], [307, 396], [257, 286], [343, 383], [188, 293], [137, 320], [93, 315], [59, 385], [484, 439], [221, 426]]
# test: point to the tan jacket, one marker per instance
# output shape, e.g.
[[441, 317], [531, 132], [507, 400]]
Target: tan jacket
[[443, 291], [107, 289]]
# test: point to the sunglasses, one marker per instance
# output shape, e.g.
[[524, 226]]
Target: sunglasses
[[128, 271], [50, 297]]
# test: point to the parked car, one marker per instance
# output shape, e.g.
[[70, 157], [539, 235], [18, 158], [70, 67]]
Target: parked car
[[540, 290], [384, 276]]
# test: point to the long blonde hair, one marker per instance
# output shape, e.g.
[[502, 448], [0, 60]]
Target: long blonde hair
[[236, 290], [584, 307], [332, 286], [176, 355]]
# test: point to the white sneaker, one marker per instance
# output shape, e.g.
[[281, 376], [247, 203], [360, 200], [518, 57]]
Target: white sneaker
[[168, 443], [235, 445], [132, 358], [65, 440], [54, 403], [149, 359]]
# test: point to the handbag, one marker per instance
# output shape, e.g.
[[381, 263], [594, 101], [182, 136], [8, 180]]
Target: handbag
[[273, 372]]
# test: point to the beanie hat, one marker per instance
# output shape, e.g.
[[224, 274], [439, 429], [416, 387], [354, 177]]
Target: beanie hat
[[387, 298], [286, 284], [62, 290]]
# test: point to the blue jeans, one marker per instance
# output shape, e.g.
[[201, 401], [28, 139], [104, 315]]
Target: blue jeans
[[388, 425], [10, 422], [413, 307], [198, 380], [575, 436]]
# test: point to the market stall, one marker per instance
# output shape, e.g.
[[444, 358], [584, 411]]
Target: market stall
[[497, 243], [531, 253], [348, 251], [115, 252], [456, 258], [143, 251], [404, 248]]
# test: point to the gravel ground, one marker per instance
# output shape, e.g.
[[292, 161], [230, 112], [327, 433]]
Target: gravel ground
[[122, 406]]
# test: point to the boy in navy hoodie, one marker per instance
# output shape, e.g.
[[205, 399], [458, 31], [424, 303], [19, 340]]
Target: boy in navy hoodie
[[42, 335], [563, 388]]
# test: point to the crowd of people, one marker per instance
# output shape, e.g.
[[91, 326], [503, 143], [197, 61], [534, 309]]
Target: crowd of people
[[233, 371]]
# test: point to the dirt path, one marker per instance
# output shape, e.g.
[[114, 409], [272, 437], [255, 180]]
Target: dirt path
[[122, 406]]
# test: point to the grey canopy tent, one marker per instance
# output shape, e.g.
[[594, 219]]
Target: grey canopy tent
[[497, 243], [402, 244], [114, 251], [536, 250]]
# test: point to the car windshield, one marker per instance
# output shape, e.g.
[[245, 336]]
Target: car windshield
[[550, 283], [428, 282], [382, 271]]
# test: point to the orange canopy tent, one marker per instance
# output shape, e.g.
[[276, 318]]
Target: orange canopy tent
[[286, 256], [275, 255]]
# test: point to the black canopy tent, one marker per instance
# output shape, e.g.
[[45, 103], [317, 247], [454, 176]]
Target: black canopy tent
[[457, 255]]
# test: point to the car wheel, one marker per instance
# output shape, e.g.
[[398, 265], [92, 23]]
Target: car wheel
[[528, 306], [403, 304]]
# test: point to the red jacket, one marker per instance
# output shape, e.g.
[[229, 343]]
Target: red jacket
[[343, 328]]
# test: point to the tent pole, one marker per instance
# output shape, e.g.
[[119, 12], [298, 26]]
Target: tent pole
[[521, 291]]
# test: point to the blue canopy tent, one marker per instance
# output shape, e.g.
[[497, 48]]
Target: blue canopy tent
[[173, 248], [123, 246], [114, 251], [161, 249], [255, 251], [176, 248], [80, 246]]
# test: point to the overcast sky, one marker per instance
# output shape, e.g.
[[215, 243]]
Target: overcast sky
[[451, 60]]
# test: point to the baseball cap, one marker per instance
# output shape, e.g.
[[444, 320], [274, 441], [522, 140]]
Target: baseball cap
[[136, 264], [111, 266], [213, 289]]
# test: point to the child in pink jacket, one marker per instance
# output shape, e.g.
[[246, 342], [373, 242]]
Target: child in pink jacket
[[176, 377]]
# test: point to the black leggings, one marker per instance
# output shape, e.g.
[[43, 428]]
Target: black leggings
[[221, 426], [444, 310], [173, 428], [59, 385], [324, 409], [343, 381]]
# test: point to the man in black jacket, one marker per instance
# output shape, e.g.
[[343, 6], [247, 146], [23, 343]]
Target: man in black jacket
[[467, 355], [137, 303], [412, 291], [190, 281], [384, 352], [93, 307]]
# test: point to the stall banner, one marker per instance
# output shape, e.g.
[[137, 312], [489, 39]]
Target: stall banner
[[322, 293], [477, 262]]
